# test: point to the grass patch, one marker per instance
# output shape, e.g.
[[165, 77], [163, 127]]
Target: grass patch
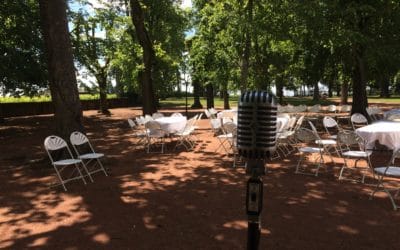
[[48, 98]]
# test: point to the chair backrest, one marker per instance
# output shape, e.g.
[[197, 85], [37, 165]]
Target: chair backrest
[[313, 128], [358, 119], [299, 122], [131, 123], [215, 124], [305, 135], [147, 118], [329, 124], [154, 128], [315, 108], [332, 108], [56, 143], [345, 108], [176, 114], [347, 139], [78, 138], [229, 127], [157, 115], [291, 124], [213, 111], [284, 115], [207, 112], [152, 125], [140, 120]]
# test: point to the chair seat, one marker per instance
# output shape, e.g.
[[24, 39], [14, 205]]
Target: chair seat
[[391, 171], [333, 137], [225, 136], [66, 162], [326, 142], [310, 150], [91, 156], [357, 154]]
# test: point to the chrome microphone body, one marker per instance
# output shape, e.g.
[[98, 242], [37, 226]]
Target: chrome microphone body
[[256, 131], [256, 140]]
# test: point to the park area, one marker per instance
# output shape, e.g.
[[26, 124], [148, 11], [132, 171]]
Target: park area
[[192, 124], [179, 199]]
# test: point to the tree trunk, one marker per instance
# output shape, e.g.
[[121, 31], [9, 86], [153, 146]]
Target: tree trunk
[[316, 91], [338, 88], [226, 98], [279, 89], [245, 64], [102, 81], [345, 92], [63, 85], [384, 86], [196, 95], [360, 101], [210, 95], [137, 15]]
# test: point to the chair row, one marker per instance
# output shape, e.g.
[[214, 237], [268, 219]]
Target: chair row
[[350, 147], [62, 159]]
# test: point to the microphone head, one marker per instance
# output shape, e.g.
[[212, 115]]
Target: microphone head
[[256, 130]]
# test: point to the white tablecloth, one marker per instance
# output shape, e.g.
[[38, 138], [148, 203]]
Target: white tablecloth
[[172, 124], [386, 132]]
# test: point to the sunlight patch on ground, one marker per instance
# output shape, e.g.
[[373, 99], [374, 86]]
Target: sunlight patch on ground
[[347, 229], [101, 238], [238, 224], [39, 242], [141, 203], [147, 221], [48, 213]]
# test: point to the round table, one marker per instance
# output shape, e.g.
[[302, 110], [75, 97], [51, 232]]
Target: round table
[[172, 124], [386, 132]]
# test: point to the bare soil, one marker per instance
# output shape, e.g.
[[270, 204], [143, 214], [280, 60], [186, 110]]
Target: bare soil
[[179, 199]]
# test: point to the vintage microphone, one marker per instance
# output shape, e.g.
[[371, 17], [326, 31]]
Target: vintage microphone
[[256, 140]]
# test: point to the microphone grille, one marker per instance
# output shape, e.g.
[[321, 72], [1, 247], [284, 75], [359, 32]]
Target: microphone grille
[[256, 133]]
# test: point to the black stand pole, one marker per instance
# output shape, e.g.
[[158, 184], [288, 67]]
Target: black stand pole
[[254, 203]]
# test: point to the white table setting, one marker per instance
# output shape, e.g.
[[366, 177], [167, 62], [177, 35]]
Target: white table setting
[[385, 132]]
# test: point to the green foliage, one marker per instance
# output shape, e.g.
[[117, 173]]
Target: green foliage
[[23, 64]]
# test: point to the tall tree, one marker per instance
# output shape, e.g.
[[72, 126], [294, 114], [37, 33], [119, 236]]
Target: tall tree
[[63, 85], [146, 78]]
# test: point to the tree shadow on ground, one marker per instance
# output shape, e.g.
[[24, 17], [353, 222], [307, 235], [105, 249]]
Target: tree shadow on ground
[[176, 200]]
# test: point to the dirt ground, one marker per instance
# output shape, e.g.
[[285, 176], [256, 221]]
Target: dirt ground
[[177, 200]]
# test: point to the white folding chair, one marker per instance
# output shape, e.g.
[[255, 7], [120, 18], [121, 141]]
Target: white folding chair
[[352, 147], [56, 146], [226, 138], [157, 115], [155, 135], [85, 152], [344, 113], [331, 108], [139, 134], [390, 171], [307, 136], [185, 136], [330, 124], [176, 114], [327, 144], [358, 120]]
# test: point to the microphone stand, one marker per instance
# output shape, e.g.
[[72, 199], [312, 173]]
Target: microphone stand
[[254, 201]]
